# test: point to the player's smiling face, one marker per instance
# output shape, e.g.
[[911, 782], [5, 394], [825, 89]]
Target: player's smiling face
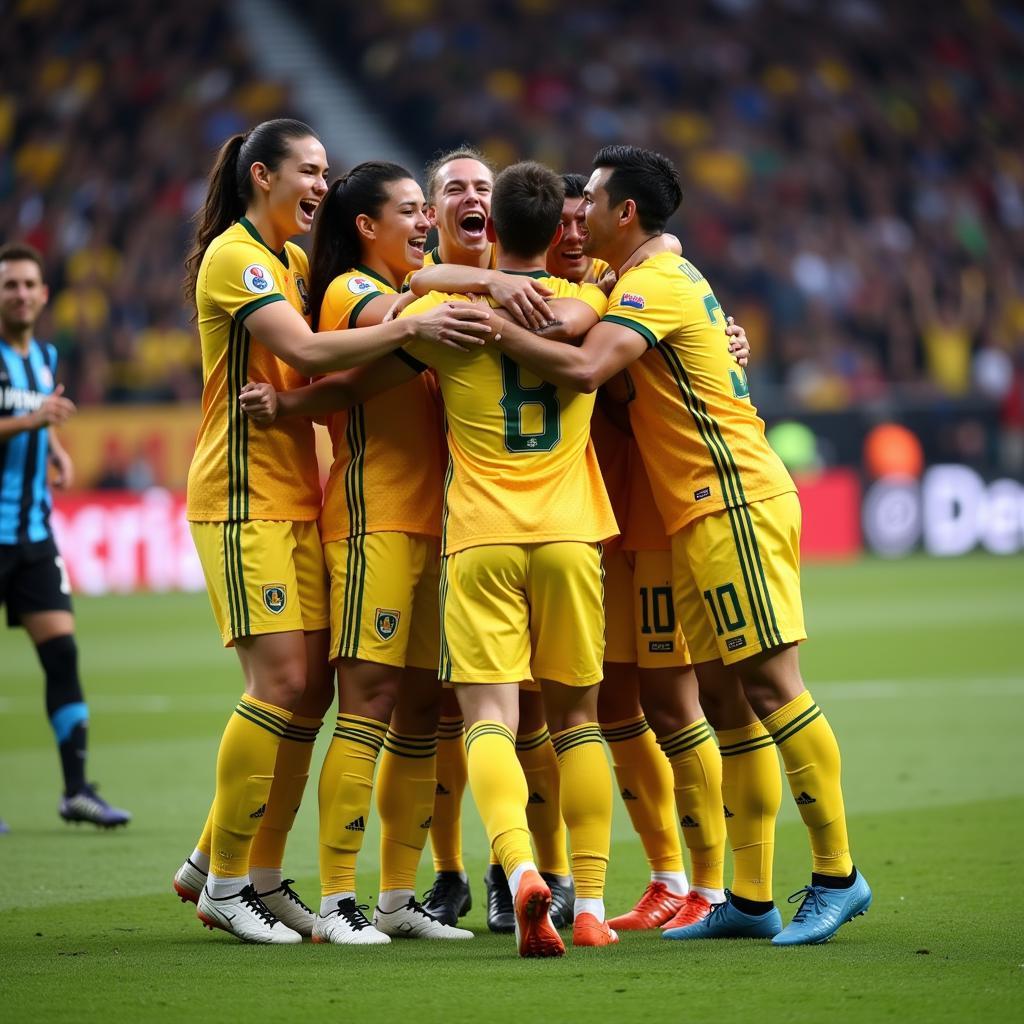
[[398, 232], [601, 219], [566, 257], [462, 204], [22, 294], [297, 187]]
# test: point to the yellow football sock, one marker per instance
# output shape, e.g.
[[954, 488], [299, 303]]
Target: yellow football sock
[[697, 773], [813, 767], [291, 773], [446, 826], [543, 812], [346, 785], [586, 805], [405, 802], [499, 791], [245, 772], [645, 783], [205, 843], [751, 793]]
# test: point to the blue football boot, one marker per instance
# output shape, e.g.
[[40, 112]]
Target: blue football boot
[[823, 911], [726, 922]]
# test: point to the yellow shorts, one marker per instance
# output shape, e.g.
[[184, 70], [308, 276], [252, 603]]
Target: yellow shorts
[[510, 611], [640, 621], [736, 580], [384, 598], [263, 576]]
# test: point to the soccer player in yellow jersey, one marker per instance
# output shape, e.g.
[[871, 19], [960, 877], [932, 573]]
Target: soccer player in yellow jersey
[[525, 511], [459, 187], [646, 653], [253, 502], [734, 519], [380, 527]]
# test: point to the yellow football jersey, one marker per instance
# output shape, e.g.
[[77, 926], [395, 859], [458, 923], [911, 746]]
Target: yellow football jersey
[[522, 467], [700, 436], [643, 528], [389, 452], [611, 445], [241, 471], [598, 268]]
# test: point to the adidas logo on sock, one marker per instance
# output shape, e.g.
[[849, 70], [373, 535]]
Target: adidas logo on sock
[[805, 798], [536, 798], [259, 812], [728, 813], [356, 826], [426, 824], [441, 791], [627, 795], [687, 822]]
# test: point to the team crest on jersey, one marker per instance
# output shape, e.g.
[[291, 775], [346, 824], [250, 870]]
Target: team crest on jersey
[[257, 279], [275, 597], [300, 287], [632, 300], [360, 285], [46, 378], [386, 623]]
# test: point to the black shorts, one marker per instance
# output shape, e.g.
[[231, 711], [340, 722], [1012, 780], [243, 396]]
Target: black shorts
[[33, 579]]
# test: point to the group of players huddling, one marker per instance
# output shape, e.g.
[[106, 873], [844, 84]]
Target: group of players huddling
[[475, 568]]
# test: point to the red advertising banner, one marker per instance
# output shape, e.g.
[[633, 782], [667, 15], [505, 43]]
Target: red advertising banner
[[831, 520], [121, 542], [115, 542]]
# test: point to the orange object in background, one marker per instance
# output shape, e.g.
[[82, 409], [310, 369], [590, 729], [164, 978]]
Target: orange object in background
[[892, 450]]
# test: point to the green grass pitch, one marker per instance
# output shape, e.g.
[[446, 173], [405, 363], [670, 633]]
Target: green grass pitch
[[917, 664]]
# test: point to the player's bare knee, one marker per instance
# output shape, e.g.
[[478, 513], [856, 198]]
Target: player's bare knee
[[771, 679]]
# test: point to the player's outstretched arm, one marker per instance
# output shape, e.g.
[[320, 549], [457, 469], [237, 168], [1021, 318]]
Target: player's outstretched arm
[[333, 393], [525, 298], [606, 349], [281, 329]]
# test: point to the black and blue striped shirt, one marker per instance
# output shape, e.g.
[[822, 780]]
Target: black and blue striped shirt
[[25, 381]]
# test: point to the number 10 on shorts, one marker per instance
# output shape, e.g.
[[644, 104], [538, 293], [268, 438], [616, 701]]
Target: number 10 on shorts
[[724, 606]]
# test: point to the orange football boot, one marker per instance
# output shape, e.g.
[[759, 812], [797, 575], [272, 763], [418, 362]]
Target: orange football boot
[[535, 934], [656, 906], [695, 908], [588, 931]]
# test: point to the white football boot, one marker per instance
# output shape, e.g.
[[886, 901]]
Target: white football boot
[[245, 916], [347, 926], [413, 922], [285, 904], [189, 881]]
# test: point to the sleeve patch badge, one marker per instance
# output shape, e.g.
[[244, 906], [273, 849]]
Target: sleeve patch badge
[[632, 300], [257, 279], [360, 285]]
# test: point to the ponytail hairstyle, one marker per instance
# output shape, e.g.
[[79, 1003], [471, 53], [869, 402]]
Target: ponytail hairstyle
[[337, 244], [229, 190]]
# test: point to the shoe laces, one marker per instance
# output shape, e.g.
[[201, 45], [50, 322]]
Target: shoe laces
[[417, 908], [288, 892], [252, 900], [89, 793], [353, 914], [653, 897], [813, 897], [445, 884]]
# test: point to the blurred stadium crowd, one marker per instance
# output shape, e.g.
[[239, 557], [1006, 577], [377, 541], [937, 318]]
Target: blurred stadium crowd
[[854, 182]]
